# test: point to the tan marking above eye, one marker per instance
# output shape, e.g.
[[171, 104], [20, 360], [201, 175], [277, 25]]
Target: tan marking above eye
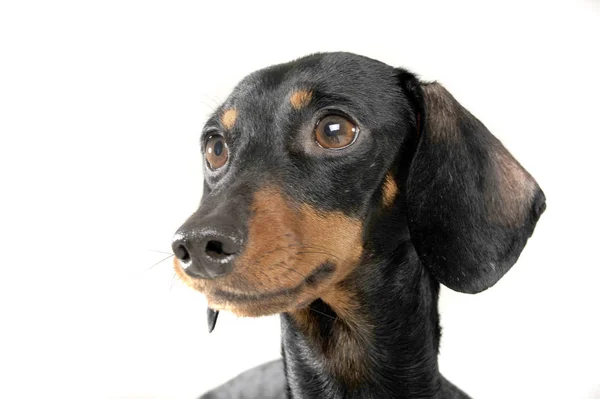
[[300, 99], [217, 152], [390, 190], [228, 118], [335, 132]]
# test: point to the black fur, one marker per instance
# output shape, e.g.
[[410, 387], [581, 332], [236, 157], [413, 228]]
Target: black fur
[[450, 221]]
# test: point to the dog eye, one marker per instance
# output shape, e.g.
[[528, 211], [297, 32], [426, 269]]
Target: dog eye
[[335, 132], [216, 151]]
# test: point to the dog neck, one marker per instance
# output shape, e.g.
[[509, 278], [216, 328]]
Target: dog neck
[[374, 335]]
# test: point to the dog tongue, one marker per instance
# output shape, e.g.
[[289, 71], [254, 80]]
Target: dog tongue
[[211, 317]]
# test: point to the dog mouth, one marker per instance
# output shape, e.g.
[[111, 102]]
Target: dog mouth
[[267, 302], [320, 274]]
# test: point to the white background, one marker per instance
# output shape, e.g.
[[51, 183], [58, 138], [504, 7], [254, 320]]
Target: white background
[[101, 106]]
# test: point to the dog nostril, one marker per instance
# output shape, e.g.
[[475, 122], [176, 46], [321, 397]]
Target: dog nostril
[[214, 249], [181, 253]]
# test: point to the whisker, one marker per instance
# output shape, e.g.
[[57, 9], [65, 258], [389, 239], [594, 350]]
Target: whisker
[[307, 288], [173, 279], [264, 254], [280, 264], [290, 246], [207, 105], [325, 250], [161, 261], [287, 291], [321, 313], [317, 252], [213, 99], [160, 252]]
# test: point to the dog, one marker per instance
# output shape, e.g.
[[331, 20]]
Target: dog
[[339, 192]]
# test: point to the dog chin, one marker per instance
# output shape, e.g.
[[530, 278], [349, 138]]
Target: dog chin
[[254, 307], [250, 309]]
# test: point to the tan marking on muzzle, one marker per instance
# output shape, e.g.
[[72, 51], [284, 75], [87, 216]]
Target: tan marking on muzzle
[[286, 243], [197, 284]]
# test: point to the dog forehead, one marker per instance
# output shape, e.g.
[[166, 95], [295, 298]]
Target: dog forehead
[[275, 93], [330, 73]]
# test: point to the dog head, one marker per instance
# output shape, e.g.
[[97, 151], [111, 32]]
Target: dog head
[[310, 164]]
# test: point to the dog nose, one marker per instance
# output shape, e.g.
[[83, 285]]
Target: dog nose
[[206, 253]]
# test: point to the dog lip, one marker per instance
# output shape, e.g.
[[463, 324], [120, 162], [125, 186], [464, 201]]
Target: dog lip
[[234, 297], [191, 272], [321, 273], [198, 273]]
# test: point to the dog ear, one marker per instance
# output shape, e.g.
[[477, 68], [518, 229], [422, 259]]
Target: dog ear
[[471, 206]]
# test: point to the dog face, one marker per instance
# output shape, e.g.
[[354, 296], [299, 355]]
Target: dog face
[[305, 160]]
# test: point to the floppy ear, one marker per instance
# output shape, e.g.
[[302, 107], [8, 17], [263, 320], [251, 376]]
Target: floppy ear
[[471, 206]]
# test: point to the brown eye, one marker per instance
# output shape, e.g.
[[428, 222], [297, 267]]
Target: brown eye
[[335, 132], [216, 151]]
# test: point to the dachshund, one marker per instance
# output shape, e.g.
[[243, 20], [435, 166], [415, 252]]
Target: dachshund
[[339, 192]]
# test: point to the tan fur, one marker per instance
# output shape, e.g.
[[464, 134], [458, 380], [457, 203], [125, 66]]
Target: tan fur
[[286, 242], [390, 190], [300, 98], [345, 349], [228, 118], [191, 282]]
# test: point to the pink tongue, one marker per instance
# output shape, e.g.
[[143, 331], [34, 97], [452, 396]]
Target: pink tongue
[[211, 317]]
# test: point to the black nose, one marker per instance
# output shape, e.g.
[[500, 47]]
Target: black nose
[[206, 253]]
